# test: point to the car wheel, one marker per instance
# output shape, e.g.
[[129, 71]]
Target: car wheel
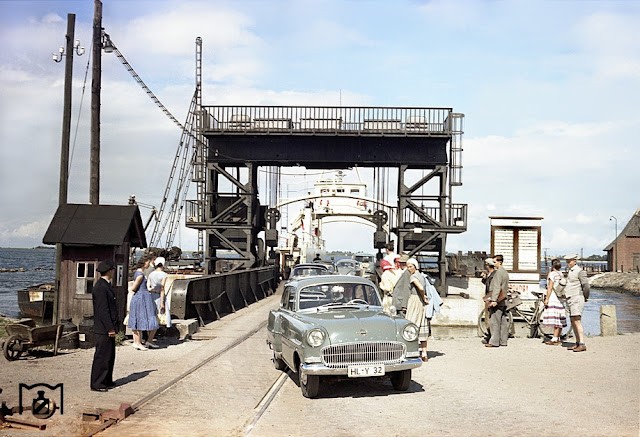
[[278, 363], [309, 384], [401, 380]]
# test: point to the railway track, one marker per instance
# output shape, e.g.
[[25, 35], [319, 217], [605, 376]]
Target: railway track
[[187, 391]]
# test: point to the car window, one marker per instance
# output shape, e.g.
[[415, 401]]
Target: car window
[[317, 295], [289, 298]]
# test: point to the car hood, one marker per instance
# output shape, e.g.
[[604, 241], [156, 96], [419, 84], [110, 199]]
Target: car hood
[[346, 326]]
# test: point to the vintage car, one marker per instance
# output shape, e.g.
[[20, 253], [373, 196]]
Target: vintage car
[[349, 267], [334, 325], [309, 269]]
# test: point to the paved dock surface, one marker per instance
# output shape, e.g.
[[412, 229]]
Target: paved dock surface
[[226, 387]]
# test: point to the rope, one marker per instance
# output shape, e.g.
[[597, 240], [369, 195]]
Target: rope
[[75, 134]]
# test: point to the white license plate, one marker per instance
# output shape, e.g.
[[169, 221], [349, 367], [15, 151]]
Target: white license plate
[[364, 371]]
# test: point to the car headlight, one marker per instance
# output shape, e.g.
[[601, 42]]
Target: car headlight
[[410, 332], [315, 337]]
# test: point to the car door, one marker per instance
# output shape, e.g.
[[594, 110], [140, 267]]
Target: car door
[[288, 337]]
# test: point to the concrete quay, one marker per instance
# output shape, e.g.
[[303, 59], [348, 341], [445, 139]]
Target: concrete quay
[[225, 387]]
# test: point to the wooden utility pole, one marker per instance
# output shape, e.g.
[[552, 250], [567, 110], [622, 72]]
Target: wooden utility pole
[[66, 114], [96, 74], [64, 149]]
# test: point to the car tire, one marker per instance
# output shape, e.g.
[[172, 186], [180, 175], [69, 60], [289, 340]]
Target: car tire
[[278, 363], [401, 380], [309, 384]]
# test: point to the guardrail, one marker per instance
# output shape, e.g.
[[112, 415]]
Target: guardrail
[[330, 120], [211, 297], [456, 216]]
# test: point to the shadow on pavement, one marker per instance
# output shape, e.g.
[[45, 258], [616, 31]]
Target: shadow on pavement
[[344, 387], [133, 377]]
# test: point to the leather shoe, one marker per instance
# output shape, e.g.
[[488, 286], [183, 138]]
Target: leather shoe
[[552, 343], [490, 345], [570, 348], [100, 389], [580, 348]]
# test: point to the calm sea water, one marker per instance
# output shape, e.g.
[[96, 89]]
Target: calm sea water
[[39, 266]]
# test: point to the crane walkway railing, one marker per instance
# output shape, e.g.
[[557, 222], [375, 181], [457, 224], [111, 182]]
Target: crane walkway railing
[[328, 120]]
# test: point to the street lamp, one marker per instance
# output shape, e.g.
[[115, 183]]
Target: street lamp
[[615, 242]]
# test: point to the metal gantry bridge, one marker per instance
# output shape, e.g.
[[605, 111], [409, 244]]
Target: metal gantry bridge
[[423, 144]]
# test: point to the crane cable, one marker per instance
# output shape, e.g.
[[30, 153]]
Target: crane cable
[[109, 43]]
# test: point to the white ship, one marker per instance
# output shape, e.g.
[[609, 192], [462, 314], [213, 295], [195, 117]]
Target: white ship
[[332, 199]]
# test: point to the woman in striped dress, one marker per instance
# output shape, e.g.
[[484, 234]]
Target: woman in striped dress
[[554, 314]]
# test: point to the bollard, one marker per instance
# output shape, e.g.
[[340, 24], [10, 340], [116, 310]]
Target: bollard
[[608, 320]]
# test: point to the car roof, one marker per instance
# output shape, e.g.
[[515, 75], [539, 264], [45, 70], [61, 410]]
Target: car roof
[[310, 265], [329, 279]]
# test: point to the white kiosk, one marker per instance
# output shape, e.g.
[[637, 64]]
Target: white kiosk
[[518, 240]]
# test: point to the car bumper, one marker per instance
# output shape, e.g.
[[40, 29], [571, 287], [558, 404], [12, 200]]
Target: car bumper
[[321, 369]]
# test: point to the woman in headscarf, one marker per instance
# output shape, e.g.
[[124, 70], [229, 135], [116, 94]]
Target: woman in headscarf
[[416, 303], [388, 280]]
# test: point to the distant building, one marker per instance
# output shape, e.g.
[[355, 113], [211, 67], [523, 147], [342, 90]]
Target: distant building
[[628, 247]]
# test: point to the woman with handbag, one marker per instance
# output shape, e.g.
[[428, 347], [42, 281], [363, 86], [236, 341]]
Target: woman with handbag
[[142, 313], [554, 312]]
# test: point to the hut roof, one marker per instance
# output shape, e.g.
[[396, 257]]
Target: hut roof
[[631, 230], [107, 225]]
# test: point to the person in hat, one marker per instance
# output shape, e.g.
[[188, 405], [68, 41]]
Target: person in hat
[[499, 317], [576, 294], [487, 275], [416, 304], [105, 326], [388, 280], [156, 285]]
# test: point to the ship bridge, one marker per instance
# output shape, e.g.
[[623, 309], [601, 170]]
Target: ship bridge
[[424, 144]]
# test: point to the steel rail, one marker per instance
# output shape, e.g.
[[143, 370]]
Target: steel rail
[[136, 406]]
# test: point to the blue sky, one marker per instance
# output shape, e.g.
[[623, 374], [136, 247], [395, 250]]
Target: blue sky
[[549, 90]]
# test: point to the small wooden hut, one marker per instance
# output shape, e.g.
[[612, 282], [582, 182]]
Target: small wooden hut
[[89, 234]]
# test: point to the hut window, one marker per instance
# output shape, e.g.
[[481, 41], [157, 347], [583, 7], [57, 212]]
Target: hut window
[[85, 277]]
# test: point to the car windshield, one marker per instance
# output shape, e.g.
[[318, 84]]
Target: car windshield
[[309, 271], [337, 294]]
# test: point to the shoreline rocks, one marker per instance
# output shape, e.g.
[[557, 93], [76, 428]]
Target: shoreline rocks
[[622, 282]]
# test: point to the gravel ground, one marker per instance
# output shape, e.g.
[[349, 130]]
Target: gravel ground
[[525, 389]]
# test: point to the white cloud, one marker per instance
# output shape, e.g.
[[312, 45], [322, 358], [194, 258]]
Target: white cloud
[[548, 132]]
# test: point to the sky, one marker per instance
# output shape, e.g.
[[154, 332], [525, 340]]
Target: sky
[[549, 90]]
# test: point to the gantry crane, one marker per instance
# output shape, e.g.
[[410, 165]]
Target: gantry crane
[[190, 157]]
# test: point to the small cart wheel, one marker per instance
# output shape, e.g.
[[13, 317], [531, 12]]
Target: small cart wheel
[[12, 348]]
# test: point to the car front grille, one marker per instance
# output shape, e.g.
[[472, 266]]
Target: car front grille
[[371, 352]]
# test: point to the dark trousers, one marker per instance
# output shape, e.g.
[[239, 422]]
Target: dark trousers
[[104, 359]]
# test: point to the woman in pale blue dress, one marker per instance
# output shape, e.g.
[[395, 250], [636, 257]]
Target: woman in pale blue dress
[[142, 312]]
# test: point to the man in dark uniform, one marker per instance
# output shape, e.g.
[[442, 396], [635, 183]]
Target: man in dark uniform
[[105, 315]]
